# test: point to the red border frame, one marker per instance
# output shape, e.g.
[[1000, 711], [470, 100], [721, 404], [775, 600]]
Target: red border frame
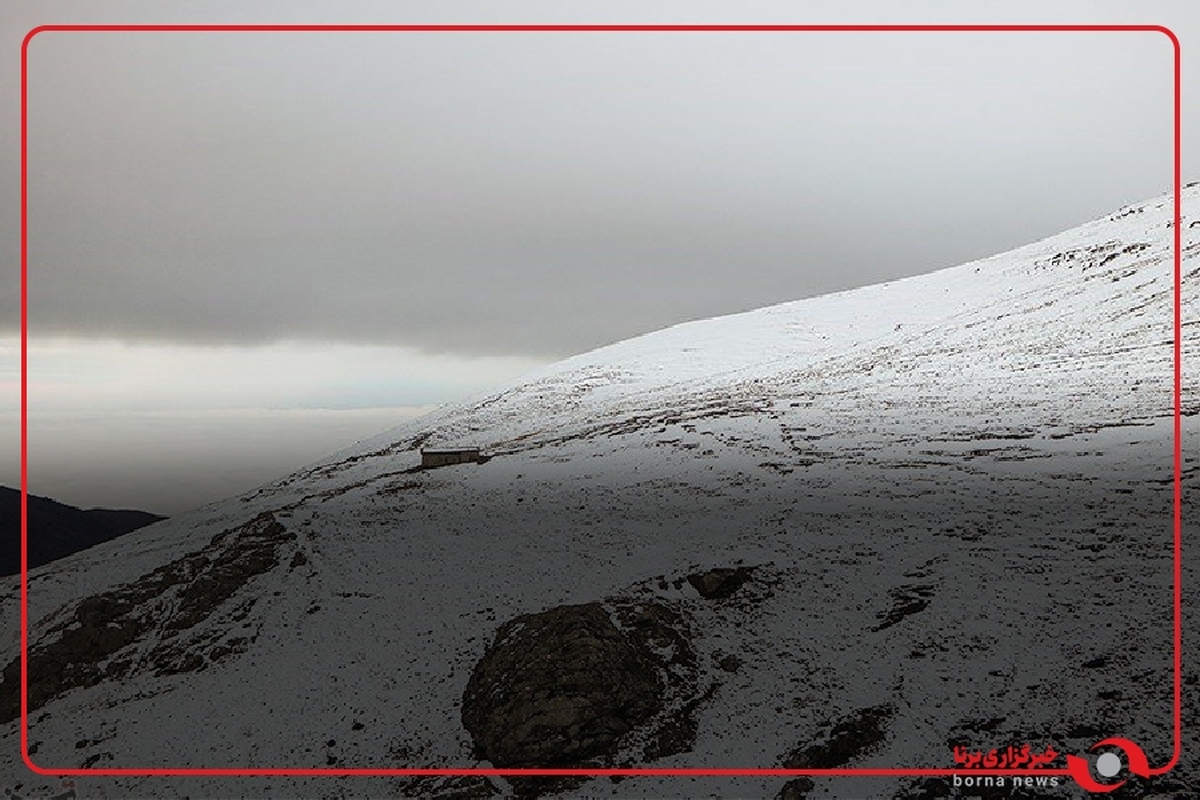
[[759, 772]]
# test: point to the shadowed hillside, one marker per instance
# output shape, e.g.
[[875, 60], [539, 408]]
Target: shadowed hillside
[[57, 530]]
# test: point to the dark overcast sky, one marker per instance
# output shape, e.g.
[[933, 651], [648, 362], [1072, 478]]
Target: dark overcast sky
[[534, 194], [247, 250]]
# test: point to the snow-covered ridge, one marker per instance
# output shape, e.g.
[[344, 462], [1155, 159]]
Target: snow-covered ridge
[[1100, 291]]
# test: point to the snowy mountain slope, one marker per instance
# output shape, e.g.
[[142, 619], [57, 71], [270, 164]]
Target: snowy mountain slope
[[954, 492]]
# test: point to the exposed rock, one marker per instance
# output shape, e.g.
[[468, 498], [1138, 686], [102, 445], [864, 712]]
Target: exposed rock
[[858, 734], [77, 652], [559, 688], [227, 569], [796, 789], [658, 630], [462, 787], [730, 663], [661, 633], [585, 686], [906, 600], [717, 584]]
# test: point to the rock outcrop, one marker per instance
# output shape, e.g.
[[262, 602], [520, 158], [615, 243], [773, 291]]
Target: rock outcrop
[[717, 584], [559, 688], [95, 641]]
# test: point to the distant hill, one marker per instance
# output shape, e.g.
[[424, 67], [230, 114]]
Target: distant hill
[[57, 530]]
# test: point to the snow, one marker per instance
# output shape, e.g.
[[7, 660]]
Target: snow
[[999, 433]]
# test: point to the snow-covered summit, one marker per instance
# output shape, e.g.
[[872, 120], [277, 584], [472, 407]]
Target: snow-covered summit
[[1099, 291]]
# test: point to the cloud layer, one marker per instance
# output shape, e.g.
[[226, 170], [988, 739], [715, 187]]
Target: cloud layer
[[543, 194]]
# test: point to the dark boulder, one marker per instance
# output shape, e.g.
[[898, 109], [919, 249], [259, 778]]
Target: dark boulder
[[717, 584], [796, 789], [559, 688]]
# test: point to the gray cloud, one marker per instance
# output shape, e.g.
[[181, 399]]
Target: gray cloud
[[524, 195], [543, 194]]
